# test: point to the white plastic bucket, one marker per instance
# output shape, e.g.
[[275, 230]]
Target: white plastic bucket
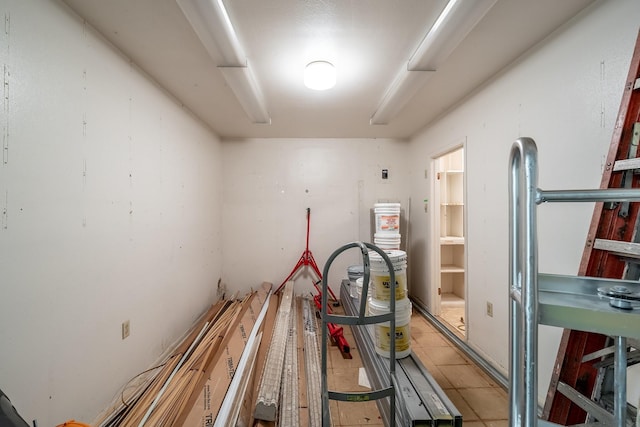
[[380, 288], [387, 217], [354, 272], [358, 288], [387, 242], [381, 331]]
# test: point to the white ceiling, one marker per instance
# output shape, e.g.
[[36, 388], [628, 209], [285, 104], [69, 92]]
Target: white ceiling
[[367, 40]]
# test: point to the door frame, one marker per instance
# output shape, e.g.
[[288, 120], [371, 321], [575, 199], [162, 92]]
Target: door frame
[[434, 278]]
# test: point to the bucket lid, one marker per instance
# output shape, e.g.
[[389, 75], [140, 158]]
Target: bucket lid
[[355, 269], [387, 205]]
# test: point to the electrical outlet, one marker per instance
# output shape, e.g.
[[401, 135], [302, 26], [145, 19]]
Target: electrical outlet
[[125, 329], [489, 309]]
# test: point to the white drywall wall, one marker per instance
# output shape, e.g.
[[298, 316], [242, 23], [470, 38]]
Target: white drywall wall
[[269, 184], [110, 211], [565, 94]]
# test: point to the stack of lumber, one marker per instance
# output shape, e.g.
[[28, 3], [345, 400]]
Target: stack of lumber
[[287, 393], [188, 388], [270, 386]]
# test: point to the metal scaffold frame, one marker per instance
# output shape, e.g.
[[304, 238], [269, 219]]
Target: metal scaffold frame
[[564, 301]]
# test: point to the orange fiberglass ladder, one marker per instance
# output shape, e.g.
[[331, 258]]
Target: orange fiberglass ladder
[[582, 383]]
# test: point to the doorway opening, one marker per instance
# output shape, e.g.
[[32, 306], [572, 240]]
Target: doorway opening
[[449, 292]]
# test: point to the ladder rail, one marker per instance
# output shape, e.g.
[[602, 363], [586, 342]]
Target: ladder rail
[[524, 197]]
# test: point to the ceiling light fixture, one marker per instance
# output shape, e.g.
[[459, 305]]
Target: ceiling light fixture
[[455, 22], [320, 75], [211, 23], [405, 85]]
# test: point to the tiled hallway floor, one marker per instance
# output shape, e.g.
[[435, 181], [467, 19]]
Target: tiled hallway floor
[[480, 400]]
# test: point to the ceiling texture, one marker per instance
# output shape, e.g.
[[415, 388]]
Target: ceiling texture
[[368, 41]]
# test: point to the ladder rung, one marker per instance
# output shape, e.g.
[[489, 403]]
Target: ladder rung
[[597, 354], [592, 424], [545, 423], [626, 164], [586, 404], [633, 357], [628, 249]]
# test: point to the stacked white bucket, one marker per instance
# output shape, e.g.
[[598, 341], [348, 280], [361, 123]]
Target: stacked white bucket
[[387, 238], [387, 234], [379, 302]]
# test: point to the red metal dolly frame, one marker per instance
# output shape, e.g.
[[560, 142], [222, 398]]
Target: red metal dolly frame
[[307, 260]]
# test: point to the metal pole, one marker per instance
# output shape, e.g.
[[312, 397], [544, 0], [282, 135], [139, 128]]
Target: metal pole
[[523, 284], [620, 378], [600, 195], [514, 290], [308, 227]]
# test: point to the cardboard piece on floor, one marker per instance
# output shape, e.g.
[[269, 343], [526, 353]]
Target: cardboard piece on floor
[[363, 379], [208, 403]]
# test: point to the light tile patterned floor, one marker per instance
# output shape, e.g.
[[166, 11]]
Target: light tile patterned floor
[[452, 314], [481, 401]]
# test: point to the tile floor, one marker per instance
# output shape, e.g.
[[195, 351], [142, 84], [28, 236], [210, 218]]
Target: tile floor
[[481, 401], [452, 314]]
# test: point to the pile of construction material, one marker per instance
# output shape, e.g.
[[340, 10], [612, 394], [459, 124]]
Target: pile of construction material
[[419, 399], [238, 366]]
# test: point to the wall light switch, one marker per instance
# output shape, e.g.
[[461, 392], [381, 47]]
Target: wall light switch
[[489, 309]]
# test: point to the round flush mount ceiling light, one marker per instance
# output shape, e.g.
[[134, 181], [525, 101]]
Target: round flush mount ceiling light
[[320, 75]]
